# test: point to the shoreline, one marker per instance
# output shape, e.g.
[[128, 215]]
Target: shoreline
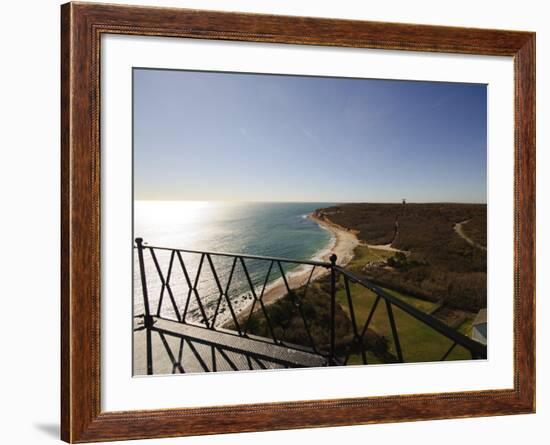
[[343, 243], [329, 225]]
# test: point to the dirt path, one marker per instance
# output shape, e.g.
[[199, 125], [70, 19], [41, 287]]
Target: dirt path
[[387, 247], [460, 232]]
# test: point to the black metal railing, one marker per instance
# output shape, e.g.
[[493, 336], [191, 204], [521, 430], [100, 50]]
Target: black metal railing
[[223, 295]]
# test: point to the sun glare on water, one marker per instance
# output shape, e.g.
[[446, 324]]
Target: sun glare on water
[[186, 224]]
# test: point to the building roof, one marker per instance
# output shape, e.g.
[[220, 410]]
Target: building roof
[[479, 327], [481, 317]]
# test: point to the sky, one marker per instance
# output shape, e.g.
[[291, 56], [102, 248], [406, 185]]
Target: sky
[[210, 136]]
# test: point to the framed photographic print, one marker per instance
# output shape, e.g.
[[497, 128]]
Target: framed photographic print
[[276, 222]]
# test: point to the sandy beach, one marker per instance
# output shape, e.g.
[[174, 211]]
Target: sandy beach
[[342, 244]]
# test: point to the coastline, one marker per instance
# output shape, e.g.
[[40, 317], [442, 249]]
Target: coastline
[[344, 241], [342, 244]]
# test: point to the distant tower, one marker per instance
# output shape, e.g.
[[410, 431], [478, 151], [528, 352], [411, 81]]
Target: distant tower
[[404, 201]]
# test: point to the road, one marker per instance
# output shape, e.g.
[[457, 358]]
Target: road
[[459, 230]]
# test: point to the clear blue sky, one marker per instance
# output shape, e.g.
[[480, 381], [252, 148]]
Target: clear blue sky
[[247, 137]]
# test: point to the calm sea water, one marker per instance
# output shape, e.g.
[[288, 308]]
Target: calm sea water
[[267, 229]]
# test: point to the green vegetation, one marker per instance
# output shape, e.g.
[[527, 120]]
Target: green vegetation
[[466, 327], [288, 325], [286, 322], [364, 255], [419, 342], [476, 229], [423, 305], [439, 265]]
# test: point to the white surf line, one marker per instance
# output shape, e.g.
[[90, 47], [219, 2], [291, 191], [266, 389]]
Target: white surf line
[[460, 232]]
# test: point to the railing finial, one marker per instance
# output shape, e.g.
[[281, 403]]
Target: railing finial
[[139, 241], [333, 259]]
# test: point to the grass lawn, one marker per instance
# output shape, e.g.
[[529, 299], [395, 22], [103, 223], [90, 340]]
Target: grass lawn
[[459, 353], [419, 342], [364, 255]]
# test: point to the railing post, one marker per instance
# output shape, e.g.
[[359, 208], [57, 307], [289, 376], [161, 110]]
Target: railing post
[[332, 259], [147, 320]]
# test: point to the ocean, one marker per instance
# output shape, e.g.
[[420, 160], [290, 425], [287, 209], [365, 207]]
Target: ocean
[[266, 229]]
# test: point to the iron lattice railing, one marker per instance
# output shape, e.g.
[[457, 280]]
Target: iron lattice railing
[[336, 281]]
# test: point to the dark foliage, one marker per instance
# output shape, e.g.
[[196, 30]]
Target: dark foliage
[[440, 264], [288, 325], [476, 229]]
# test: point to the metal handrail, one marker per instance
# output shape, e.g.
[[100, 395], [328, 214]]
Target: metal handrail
[[241, 255], [478, 350], [333, 357]]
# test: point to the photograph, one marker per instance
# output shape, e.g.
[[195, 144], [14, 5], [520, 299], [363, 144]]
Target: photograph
[[291, 221], [281, 218]]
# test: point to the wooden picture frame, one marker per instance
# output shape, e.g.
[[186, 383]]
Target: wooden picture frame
[[82, 25]]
